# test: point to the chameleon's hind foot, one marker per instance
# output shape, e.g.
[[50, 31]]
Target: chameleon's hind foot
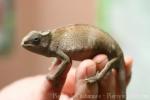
[[102, 73], [93, 79]]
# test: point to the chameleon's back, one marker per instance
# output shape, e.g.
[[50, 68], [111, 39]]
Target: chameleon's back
[[83, 41]]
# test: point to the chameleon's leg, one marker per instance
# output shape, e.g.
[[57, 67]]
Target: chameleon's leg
[[58, 70], [100, 75], [55, 62]]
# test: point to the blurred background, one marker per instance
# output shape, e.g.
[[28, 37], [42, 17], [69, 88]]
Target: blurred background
[[127, 21]]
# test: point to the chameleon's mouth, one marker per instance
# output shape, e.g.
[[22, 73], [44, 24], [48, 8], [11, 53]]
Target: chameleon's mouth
[[25, 42], [27, 45], [30, 47]]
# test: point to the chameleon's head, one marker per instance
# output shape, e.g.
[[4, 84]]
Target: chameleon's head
[[37, 41]]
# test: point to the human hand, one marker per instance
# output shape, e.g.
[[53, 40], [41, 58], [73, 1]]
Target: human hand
[[38, 88]]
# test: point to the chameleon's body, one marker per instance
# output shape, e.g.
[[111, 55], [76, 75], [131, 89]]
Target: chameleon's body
[[78, 42]]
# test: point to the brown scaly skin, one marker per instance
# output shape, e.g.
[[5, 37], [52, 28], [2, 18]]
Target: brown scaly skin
[[77, 42]]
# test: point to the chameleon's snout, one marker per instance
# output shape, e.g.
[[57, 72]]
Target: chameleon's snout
[[24, 42]]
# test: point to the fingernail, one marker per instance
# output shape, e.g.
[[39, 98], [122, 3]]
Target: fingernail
[[100, 61], [128, 66], [91, 70]]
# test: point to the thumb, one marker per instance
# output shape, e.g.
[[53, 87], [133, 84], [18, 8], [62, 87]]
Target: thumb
[[83, 90]]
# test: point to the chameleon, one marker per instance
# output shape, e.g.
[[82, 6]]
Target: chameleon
[[78, 42]]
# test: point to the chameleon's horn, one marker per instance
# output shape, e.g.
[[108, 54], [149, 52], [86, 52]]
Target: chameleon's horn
[[45, 33]]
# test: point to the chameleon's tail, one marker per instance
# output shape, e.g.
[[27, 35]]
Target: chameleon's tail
[[122, 79]]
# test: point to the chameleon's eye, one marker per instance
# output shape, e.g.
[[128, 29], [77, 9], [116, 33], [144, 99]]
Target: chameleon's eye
[[36, 41]]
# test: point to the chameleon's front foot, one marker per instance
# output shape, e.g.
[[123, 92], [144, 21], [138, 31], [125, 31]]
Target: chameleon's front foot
[[53, 69], [51, 77], [55, 72], [59, 68], [91, 80]]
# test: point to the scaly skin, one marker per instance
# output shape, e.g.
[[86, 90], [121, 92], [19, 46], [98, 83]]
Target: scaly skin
[[77, 42]]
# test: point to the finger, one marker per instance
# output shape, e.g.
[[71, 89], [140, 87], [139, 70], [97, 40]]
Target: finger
[[108, 84], [69, 86], [58, 82], [100, 61], [128, 68], [32, 88], [86, 69]]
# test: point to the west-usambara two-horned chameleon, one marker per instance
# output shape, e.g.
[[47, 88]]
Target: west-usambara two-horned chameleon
[[78, 42]]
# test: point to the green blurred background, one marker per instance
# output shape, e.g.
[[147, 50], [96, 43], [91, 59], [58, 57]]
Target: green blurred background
[[126, 20]]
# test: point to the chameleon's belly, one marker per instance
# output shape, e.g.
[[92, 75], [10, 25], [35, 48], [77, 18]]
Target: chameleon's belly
[[82, 54]]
